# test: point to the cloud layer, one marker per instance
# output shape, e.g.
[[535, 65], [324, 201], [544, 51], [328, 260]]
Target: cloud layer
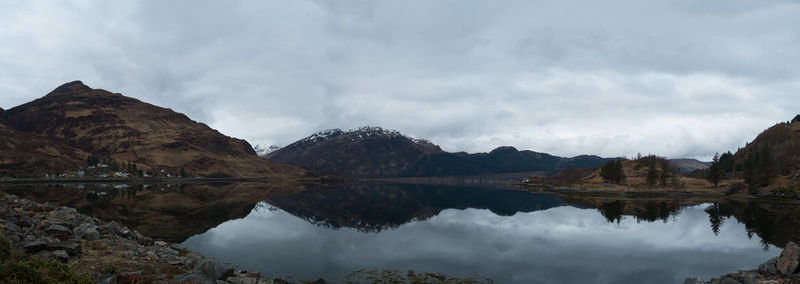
[[675, 78]]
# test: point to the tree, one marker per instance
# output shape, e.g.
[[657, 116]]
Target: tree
[[612, 172], [652, 176], [715, 171], [715, 217], [767, 166], [666, 173], [726, 162], [92, 160]]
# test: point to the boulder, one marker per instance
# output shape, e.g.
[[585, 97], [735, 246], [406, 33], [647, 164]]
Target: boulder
[[32, 247], [25, 223], [69, 247], [91, 234], [769, 268], [8, 226], [215, 269], [60, 255], [789, 260], [195, 278], [57, 230]]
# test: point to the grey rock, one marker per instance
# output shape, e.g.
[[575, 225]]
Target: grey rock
[[151, 255], [60, 255], [8, 226], [70, 248], [31, 247], [694, 281], [246, 280], [146, 241], [769, 267], [105, 279], [91, 234], [14, 237], [43, 254], [789, 260], [57, 230], [215, 269], [24, 223], [129, 254], [192, 277], [169, 251]]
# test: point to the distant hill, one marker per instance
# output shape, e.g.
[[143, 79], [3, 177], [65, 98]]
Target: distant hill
[[377, 152], [123, 129], [686, 166]]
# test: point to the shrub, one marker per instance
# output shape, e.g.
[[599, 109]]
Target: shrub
[[735, 188], [17, 267]]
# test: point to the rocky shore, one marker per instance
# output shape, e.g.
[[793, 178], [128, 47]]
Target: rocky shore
[[107, 251], [783, 269]]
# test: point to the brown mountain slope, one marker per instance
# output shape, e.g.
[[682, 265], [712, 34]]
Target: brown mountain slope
[[782, 140], [378, 152], [124, 129], [364, 152], [771, 162], [28, 154]]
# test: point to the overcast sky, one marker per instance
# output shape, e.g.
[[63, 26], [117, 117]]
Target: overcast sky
[[676, 78]]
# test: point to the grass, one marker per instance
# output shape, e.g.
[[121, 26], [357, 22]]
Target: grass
[[17, 267]]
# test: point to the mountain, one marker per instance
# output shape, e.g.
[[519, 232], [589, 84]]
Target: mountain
[[28, 155], [377, 152], [686, 166], [123, 129], [364, 152]]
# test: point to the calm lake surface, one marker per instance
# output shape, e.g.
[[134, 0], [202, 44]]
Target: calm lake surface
[[509, 236]]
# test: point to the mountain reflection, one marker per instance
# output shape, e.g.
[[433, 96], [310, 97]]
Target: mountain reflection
[[175, 212], [172, 212], [375, 207]]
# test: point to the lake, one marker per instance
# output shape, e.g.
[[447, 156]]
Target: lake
[[506, 235]]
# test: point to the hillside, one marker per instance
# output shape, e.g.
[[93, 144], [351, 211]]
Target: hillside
[[376, 152], [27, 154], [771, 160], [122, 129], [652, 173]]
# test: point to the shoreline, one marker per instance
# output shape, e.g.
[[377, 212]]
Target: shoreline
[[107, 251], [784, 268], [685, 193]]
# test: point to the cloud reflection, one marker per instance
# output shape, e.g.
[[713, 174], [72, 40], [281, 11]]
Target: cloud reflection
[[559, 245]]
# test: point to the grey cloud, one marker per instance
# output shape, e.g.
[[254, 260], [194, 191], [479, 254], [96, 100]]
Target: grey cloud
[[677, 78]]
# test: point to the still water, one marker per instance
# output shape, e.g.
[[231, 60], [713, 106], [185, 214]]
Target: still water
[[508, 236], [306, 232]]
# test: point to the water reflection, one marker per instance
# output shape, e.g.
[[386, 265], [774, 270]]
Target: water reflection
[[373, 207], [171, 212], [509, 236]]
